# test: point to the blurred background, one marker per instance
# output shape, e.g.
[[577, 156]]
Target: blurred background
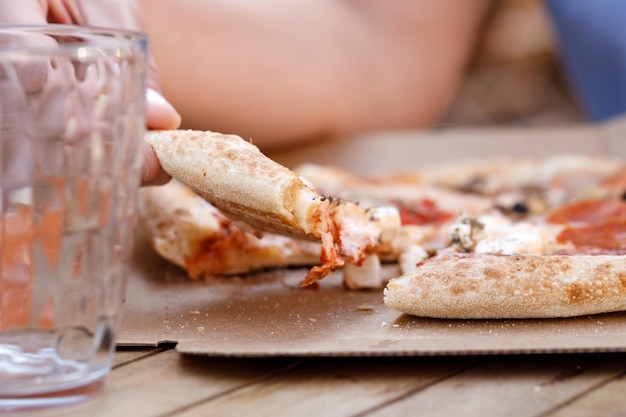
[[515, 77]]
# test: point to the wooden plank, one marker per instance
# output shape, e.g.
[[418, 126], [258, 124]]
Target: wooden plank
[[602, 400], [126, 355], [168, 383], [333, 387], [162, 383], [511, 386]]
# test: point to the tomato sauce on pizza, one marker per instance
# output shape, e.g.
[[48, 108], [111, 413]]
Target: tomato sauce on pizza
[[593, 226], [421, 212]]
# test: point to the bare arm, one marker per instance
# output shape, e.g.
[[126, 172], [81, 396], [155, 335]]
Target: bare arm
[[279, 71]]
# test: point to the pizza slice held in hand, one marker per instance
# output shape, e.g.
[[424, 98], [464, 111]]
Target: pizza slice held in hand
[[235, 177]]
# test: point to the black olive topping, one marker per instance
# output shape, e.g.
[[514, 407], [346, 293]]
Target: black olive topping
[[520, 208]]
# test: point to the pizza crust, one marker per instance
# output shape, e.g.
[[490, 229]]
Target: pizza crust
[[515, 287], [489, 176], [176, 220], [376, 191], [236, 177], [188, 231]]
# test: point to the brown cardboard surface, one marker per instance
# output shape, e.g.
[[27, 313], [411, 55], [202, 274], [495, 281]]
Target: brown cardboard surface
[[268, 314], [389, 151]]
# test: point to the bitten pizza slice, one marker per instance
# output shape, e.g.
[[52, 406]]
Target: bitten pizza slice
[[234, 176]]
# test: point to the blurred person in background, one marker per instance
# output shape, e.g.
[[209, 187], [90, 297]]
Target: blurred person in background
[[592, 43], [284, 72], [287, 71]]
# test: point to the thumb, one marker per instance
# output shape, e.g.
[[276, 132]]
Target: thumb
[[151, 173]]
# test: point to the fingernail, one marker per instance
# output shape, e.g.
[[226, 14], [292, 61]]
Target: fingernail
[[160, 113], [155, 98]]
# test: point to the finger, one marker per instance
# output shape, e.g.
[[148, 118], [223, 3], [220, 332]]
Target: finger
[[64, 11], [152, 174], [33, 75], [31, 71], [127, 14], [121, 14], [159, 112], [23, 11]]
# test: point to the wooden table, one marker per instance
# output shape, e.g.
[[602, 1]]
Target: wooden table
[[162, 382]]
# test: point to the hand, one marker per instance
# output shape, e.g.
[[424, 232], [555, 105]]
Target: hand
[[121, 14]]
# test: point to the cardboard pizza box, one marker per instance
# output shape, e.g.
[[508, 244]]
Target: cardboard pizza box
[[268, 314]]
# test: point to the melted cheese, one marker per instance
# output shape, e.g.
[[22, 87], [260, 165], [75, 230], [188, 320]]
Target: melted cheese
[[367, 275], [408, 260], [494, 234], [388, 220]]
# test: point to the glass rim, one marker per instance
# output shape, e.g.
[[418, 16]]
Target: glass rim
[[87, 41]]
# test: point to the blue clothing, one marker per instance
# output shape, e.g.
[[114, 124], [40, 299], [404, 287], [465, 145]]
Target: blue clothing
[[592, 43]]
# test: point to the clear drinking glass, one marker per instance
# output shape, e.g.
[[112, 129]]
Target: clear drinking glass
[[71, 126]]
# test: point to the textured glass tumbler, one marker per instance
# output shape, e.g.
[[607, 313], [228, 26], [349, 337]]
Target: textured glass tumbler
[[71, 126]]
